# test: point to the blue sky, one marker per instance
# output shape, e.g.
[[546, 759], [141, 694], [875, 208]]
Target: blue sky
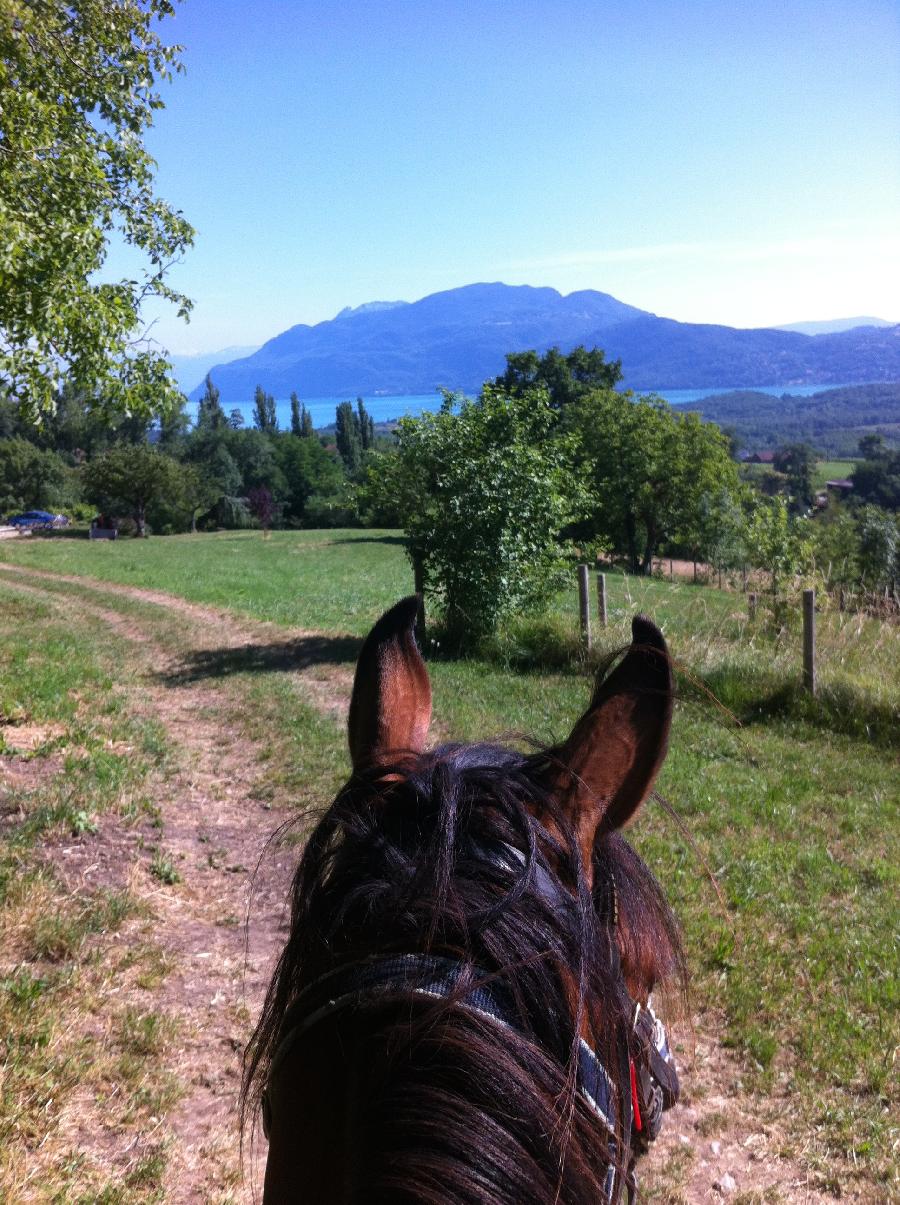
[[708, 161]]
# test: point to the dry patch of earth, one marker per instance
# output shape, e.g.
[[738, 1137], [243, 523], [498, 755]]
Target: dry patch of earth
[[205, 870], [723, 1144]]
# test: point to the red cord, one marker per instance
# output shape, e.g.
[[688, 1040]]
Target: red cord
[[635, 1107]]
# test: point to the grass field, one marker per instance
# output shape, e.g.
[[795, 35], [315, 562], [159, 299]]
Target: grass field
[[319, 580], [794, 809], [823, 470], [831, 470]]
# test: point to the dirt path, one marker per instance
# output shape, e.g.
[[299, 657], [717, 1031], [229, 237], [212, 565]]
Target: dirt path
[[223, 922], [722, 1144]]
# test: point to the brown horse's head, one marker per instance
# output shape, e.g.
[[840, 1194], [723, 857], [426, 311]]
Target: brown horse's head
[[469, 937]]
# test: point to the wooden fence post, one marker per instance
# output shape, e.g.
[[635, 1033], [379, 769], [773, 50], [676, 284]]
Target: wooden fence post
[[584, 605], [809, 640], [601, 598], [751, 606]]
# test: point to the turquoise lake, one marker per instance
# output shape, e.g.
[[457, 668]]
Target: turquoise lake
[[383, 409]]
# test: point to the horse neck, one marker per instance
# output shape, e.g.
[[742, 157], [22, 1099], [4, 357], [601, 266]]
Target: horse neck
[[311, 1140]]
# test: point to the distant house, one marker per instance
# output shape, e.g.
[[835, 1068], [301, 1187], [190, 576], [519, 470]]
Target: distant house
[[761, 458], [841, 485]]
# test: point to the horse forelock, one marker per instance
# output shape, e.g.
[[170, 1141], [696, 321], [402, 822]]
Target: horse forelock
[[410, 858]]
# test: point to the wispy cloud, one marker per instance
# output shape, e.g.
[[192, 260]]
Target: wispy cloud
[[822, 247]]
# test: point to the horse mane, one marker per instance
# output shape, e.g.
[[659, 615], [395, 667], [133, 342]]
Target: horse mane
[[449, 1105]]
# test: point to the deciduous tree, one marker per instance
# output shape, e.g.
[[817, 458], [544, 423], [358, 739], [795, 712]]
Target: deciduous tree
[[307, 469], [485, 493], [262, 506], [79, 82], [776, 541], [565, 377], [797, 462], [348, 438], [131, 477], [879, 547], [647, 467], [209, 409], [31, 477], [366, 425]]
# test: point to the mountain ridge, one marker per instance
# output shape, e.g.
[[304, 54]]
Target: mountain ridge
[[190, 368], [832, 326], [458, 338]]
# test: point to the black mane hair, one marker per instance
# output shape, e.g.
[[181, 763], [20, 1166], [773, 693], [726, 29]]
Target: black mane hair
[[443, 1103]]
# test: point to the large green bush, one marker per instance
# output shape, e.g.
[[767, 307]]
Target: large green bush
[[484, 491]]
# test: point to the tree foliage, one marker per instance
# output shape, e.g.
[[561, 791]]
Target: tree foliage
[[366, 425], [797, 462], [877, 478], [348, 437], [648, 467], [830, 421], [836, 546], [307, 470], [261, 505], [131, 477], [79, 82], [209, 409], [76, 428], [879, 547], [485, 493], [301, 419], [722, 529], [264, 416], [565, 377], [777, 541], [32, 478]]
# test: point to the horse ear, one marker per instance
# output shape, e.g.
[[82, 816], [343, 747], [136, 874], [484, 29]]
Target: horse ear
[[390, 708], [616, 749]]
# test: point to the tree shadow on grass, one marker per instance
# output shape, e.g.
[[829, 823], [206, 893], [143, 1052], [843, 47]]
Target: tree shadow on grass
[[757, 698], [279, 656], [397, 540], [60, 533]]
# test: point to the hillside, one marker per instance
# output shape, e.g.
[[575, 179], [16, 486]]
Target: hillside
[[832, 326], [191, 369], [832, 421], [459, 339]]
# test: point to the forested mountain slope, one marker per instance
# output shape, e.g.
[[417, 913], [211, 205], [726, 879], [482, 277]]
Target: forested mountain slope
[[832, 421], [459, 338]]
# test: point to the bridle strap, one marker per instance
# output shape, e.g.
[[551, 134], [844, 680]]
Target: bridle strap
[[438, 978], [647, 1072]]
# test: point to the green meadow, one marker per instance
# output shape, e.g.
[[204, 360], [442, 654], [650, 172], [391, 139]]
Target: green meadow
[[831, 470], [782, 856]]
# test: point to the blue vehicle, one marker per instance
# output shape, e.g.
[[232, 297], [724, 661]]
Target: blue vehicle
[[37, 520]]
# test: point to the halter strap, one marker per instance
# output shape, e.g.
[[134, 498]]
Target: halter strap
[[440, 979], [650, 1081]]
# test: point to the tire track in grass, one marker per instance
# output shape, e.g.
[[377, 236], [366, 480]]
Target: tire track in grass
[[217, 888], [314, 657]]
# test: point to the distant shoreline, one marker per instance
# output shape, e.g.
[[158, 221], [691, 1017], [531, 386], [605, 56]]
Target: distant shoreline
[[390, 408]]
